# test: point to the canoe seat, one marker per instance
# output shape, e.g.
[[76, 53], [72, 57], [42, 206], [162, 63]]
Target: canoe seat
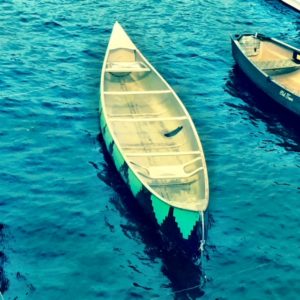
[[144, 115], [177, 171], [147, 119], [174, 181], [163, 153], [125, 67], [276, 64], [250, 45], [151, 146], [169, 171]]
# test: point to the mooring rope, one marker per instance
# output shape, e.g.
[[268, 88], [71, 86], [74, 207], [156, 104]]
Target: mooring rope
[[187, 289], [201, 284], [29, 92], [202, 241], [201, 248]]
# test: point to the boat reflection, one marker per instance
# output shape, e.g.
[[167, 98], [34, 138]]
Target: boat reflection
[[260, 107], [4, 283], [184, 273]]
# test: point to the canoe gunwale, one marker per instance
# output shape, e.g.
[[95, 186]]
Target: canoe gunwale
[[126, 158]]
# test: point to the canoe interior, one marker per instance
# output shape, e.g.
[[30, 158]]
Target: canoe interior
[[278, 61], [154, 131]]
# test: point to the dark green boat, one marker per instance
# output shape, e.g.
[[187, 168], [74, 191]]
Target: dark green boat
[[272, 65]]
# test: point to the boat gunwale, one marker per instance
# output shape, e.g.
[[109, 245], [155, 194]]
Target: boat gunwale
[[191, 123], [236, 37]]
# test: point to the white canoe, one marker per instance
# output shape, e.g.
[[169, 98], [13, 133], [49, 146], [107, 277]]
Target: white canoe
[[150, 135], [293, 3]]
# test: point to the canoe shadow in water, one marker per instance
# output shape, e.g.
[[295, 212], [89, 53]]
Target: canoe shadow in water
[[260, 107], [183, 272], [4, 282]]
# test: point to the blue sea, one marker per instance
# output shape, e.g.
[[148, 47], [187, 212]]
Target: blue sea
[[69, 228]]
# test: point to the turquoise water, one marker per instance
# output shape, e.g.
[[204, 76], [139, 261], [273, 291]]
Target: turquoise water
[[69, 228]]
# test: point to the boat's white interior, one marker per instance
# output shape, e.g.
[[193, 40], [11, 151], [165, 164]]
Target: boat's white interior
[[130, 74], [275, 60], [153, 130], [144, 105]]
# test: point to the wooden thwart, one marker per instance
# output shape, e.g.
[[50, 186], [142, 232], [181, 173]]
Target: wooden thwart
[[170, 171], [276, 64], [158, 119], [137, 92], [140, 154], [125, 67]]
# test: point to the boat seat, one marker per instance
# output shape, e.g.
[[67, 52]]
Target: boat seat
[[250, 45], [169, 171], [153, 119], [150, 146], [144, 115], [176, 181], [296, 56], [276, 64], [164, 153], [125, 67]]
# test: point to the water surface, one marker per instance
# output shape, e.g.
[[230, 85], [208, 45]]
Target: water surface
[[69, 227]]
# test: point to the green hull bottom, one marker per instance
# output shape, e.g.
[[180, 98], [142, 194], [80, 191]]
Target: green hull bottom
[[186, 220]]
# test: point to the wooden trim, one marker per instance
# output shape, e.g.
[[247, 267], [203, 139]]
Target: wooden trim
[[172, 176], [152, 146], [127, 70], [135, 115], [147, 119], [126, 66], [162, 153], [137, 92]]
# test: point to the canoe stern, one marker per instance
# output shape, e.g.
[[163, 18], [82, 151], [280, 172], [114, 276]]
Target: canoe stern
[[185, 221]]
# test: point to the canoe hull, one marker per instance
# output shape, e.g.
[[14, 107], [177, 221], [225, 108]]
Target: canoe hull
[[179, 228], [261, 80], [173, 190]]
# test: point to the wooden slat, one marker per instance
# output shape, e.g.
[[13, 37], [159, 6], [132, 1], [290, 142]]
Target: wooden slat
[[175, 176], [137, 92], [127, 70], [125, 67], [151, 146], [147, 119], [276, 64], [163, 153], [135, 115]]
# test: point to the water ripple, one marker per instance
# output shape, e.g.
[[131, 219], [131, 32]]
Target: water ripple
[[69, 226]]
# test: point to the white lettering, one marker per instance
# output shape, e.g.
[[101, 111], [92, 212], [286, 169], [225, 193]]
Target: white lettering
[[286, 95]]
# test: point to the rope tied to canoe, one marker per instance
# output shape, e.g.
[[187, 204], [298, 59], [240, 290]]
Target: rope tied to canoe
[[202, 241], [27, 93], [201, 247]]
